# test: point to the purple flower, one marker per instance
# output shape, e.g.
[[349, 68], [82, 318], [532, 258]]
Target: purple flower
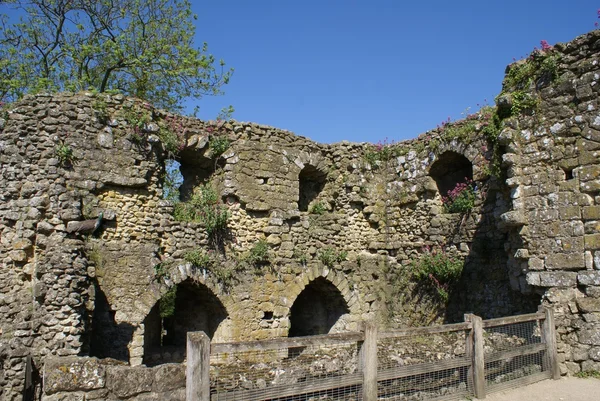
[[545, 45]]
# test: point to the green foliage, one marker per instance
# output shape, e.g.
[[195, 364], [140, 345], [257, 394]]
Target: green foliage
[[461, 199], [161, 270], [257, 255], [438, 270], [64, 153], [218, 145], [461, 131], [204, 208], [588, 374], [198, 258], [101, 110], [540, 65], [142, 48], [383, 152], [330, 256], [523, 102], [318, 208], [166, 305], [300, 257]]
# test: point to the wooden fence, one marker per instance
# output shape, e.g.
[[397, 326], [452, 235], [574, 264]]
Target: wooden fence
[[495, 354]]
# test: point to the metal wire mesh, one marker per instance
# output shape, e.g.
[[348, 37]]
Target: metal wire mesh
[[514, 353], [423, 367], [301, 373]]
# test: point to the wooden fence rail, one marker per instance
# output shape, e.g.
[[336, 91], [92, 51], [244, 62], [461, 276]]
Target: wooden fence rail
[[367, 376]]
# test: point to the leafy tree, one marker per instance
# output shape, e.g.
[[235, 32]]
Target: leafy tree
[[142, 48]]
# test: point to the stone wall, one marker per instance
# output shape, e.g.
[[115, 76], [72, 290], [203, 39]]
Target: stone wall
[[553, 167], [81, 378], [341, 222]]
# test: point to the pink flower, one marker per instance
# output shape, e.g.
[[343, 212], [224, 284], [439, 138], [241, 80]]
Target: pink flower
[[545, 45]]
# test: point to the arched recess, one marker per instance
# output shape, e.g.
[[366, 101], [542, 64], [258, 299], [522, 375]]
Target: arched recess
[[449, 169], [311, 183], [196, 308], [317, 309]]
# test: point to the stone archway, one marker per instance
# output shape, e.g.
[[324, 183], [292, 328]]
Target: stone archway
[[194, 308], [324, 283], [450, 169], [317, 309]]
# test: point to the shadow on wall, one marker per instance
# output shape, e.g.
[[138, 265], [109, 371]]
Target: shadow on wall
[[109, 339], [484, 287], [317, 309]]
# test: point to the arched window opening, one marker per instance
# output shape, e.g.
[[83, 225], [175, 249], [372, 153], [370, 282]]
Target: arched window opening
[[450, 169], [108, 339], [317, 309], [312, 181], [196, 308], [195, 169]]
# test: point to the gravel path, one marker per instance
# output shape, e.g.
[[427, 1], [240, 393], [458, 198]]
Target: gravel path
[[565, 389]]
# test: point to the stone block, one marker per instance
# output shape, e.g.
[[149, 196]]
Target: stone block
[[535, 264], [588, 304], [589, 278], [556, 279], [565, 261], [73, 374], [169, 377], [580, 353], [590, 335], [592, 241], [570, 212], [590, 366], [591, 212], [594, 353], [126, 381]]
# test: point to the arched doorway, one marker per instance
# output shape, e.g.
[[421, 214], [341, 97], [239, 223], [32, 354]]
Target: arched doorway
[[194, 307], [317, 309]]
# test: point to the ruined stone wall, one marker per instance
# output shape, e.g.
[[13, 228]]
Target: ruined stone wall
[[553, 166], [342, 222]]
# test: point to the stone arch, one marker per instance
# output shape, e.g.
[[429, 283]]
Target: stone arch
[[311, 179], [196, 308], [450, 169], [315, 289]]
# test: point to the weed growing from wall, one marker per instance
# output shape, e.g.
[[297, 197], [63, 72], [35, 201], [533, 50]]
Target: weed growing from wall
[[218, 145], [259, 253], [224, 271], [166, 304], [437, 270], [383, 152], [64, 154], [170, 130], [318, 208], [460, 199], [330, 256], [204, 207]]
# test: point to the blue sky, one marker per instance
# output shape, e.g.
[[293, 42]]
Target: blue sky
[[364, 71]]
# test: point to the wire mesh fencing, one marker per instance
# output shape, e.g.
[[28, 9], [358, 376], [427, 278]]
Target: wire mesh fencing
[[448, 362], [516, 353], [423, 364], [300, 369]]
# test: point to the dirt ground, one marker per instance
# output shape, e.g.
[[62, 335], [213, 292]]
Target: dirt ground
[[565, 389]]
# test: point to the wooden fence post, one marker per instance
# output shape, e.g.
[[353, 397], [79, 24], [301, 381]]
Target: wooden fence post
[[475, 340], [368, 362], [549, 337], [197, 379], [469, 351]]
